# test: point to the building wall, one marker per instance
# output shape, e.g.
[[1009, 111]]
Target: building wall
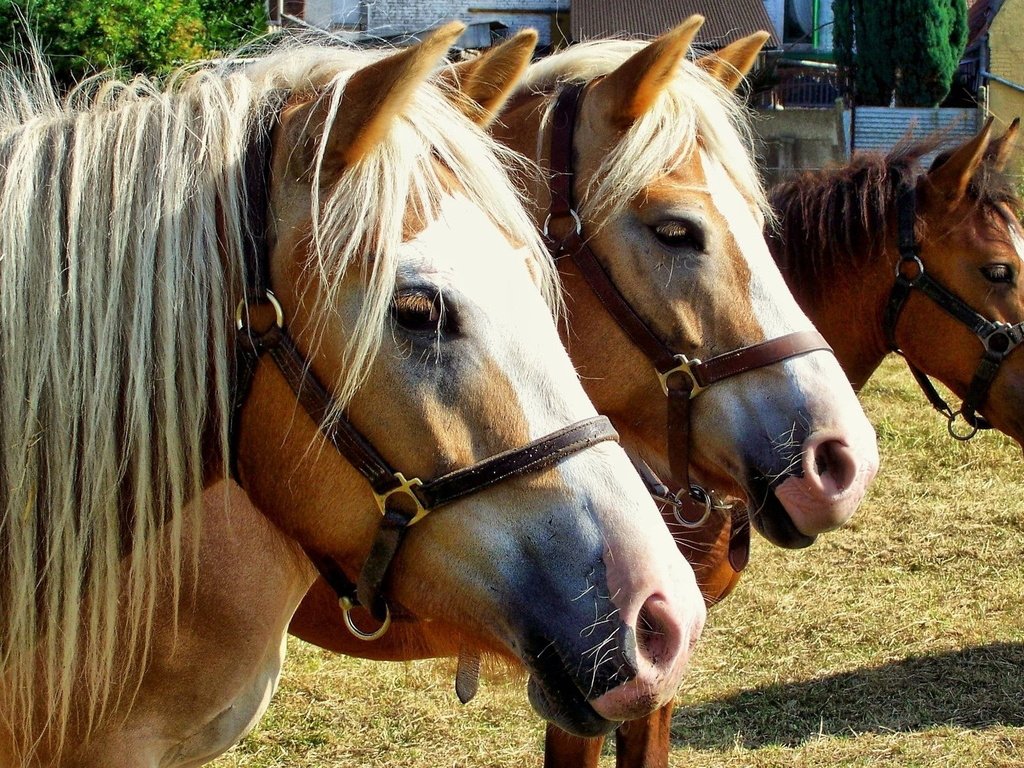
[[793, 140], [329, 13], [1006, 46], [777, 13], [423, 14]]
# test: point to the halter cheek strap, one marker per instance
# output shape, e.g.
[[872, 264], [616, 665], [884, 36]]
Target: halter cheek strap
[[998, 339], [402, 501], [681, 377]]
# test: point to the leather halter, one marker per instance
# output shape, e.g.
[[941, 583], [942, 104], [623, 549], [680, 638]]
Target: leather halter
[[682, 378], [402, 501], [997, 339]]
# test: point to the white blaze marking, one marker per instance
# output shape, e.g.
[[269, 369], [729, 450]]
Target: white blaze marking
[[1017, 239], [465, 253], [773, 303]]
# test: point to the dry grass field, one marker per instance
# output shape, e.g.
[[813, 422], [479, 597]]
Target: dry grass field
[[898, 641]]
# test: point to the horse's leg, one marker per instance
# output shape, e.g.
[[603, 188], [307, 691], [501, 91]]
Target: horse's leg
[[563, 750], [645, 743]]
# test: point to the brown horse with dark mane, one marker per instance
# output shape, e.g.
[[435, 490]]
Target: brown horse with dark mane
[[886, 256]]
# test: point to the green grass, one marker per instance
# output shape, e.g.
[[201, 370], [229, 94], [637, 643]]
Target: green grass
[[897, 641]]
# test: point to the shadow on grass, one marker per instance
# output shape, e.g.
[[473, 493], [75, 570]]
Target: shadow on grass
[[971, 688]]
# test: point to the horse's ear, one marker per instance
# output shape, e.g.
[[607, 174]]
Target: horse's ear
[[630, 90], [374, 96], [731, 64], [999, 151], [952, 178], [487, 81]]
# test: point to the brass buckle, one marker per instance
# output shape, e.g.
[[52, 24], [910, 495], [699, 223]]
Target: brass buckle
[[685, 366], [404, 486], [346, 606]]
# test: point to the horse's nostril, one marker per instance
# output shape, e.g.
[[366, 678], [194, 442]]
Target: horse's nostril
[[820, 464], [650, 635]]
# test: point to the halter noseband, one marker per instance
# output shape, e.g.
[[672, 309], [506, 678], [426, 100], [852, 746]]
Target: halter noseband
[[681, 377], [402, 501], [997, 339]]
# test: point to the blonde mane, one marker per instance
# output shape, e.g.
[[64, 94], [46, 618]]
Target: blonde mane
[[121, 231], [695, 109]]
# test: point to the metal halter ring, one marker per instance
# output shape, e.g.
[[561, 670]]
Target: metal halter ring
[[699, 495], [346, 606], [951, 428], [406, 487], [917, 262], [575, 218], [270, 297], [686, 367]]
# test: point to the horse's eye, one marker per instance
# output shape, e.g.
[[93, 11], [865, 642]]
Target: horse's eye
[[997, 273], [418, 311], [680, 234]]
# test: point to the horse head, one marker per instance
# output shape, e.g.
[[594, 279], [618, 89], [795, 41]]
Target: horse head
[[970, 242], [671, 208], [414, 285]]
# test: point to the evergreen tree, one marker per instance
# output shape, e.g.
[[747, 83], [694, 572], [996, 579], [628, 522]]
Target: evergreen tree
[[903, 49]]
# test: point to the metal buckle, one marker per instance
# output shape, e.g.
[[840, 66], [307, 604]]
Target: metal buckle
[[1008, 334], [347, 605], [240, 319], [685, 366], [404, 486]]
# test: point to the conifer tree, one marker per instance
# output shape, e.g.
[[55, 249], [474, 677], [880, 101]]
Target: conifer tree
[[902, 50]]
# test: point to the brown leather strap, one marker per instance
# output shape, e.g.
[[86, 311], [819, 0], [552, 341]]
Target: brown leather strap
[[616, 305], [739, 538], [679, 430], [399, 512], [317, 402], [573, 244], [757, 356], [563, 137], [537, 455]]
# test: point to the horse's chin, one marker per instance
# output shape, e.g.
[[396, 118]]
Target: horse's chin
[[567, 709], [771, 519]]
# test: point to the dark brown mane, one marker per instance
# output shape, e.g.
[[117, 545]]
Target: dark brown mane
[[836, 219]]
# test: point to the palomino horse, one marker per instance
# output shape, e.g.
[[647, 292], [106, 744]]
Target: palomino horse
[[885, 255], [671, 208], [331, 207]]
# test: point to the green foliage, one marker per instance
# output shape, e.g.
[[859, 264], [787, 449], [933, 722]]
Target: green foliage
[[904, 49], [153, 36]]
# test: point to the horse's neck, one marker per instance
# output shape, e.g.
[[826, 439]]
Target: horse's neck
[[849, 313], [519, 128]]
